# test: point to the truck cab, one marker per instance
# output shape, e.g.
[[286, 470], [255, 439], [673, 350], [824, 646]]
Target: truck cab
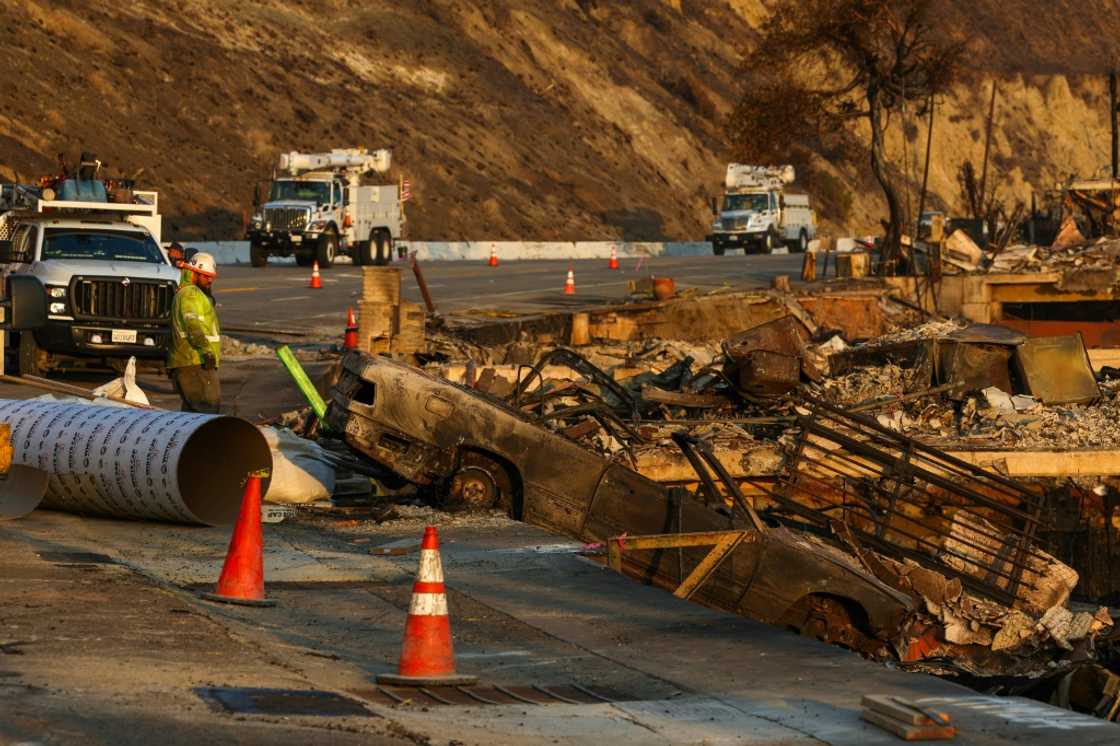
[[758, 214], [109, 285], [317, 210]]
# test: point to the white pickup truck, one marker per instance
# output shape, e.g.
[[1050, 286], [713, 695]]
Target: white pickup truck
[[758, 213], [109, 285]]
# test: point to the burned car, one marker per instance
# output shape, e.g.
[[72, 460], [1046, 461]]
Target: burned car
[[486, 452]]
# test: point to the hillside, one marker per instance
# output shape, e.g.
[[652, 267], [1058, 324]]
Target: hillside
[[535, 119]]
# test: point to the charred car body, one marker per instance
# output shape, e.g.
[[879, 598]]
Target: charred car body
[[485, 452]]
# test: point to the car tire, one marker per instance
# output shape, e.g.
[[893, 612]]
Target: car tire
[[258, 255], [718, 249], [480, 482], [30, 355], [381, 247], [327, 250]]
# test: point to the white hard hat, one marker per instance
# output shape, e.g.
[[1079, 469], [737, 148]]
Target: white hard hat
[[203, 264]]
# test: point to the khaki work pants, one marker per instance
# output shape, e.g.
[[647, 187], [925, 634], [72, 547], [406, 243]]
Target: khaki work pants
[[199, 389]]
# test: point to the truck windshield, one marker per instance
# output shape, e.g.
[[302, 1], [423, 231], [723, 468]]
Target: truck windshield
[[755, 202], [305, 191], [117, 246]]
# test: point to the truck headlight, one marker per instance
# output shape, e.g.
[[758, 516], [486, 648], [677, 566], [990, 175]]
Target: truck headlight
[[57, 308], [56, 291]]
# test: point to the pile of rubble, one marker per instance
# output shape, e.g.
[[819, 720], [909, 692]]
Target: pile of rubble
[[815, 456]]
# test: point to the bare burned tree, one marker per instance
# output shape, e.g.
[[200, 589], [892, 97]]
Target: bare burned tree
[[821, 64]]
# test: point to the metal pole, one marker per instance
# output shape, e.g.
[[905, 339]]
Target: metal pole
[[422, 285]]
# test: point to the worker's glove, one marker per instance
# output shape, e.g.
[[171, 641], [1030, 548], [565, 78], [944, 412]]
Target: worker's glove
[[209, 362]]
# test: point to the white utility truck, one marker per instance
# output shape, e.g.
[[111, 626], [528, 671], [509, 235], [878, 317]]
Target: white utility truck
[[95, 247], [759, 213], [318, 208]]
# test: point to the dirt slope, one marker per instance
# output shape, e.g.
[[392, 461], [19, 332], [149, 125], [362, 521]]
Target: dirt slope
[[535, 119]]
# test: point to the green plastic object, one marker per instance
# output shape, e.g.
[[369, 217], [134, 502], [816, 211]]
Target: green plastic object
[[296, 371]]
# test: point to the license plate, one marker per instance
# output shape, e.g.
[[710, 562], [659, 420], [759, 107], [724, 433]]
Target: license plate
[[126, 336], [297, 238]]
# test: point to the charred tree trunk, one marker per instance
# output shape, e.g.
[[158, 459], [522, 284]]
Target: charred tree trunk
[[890, 250]]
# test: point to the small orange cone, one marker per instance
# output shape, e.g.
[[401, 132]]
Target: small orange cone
[[316, 281], [242, 578], [427, 658], [493, 255], [570, 283], [613, 263], [350, 339]]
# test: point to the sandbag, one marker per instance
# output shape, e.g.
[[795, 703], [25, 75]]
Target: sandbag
[[300, 472]]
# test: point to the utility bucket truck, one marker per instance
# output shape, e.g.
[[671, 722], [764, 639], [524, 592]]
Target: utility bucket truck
[[317, 209], [759, 213], [94, 244]]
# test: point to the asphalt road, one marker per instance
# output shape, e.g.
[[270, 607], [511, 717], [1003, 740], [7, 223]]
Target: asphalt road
[[278, 296]]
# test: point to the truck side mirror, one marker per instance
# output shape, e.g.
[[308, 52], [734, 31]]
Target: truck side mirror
[[256, 195], [26, 304], [714, 202]]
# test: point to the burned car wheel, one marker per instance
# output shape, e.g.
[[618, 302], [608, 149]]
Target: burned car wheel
[[474, 487], [480, 483], [835, 622]]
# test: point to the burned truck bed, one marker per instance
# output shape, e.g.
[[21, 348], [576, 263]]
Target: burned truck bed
[[433, 432]]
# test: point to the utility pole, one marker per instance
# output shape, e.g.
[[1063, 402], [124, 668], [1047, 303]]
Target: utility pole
[[1112, 109], [987, 149]]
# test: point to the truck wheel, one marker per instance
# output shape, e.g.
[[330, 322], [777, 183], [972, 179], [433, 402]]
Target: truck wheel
[[31, 357], [366, 255], [718, 249], [258, 255], [770, 242], [381, 247], [802, 242], [327, 250]]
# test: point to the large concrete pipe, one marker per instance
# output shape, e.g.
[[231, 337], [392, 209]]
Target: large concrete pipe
[[135, 463]]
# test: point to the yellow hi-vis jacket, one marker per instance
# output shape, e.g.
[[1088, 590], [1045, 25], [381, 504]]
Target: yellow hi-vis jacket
[[194, 327]]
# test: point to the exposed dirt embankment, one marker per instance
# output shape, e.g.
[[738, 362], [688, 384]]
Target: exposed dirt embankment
[[527, 119]]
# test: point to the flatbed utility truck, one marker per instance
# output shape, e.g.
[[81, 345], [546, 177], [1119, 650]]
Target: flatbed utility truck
[[318, 209], [758, 213], [94, 245]]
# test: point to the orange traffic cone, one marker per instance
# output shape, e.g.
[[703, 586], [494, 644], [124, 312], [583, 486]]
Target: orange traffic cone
[[242, 578], [613, 263], [570, 283], [316, 281], [426, 656], [350, 339], [493, 255]]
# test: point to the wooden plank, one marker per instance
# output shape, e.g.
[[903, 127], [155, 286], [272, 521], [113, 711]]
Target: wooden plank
[[1103, 356], [908, 732], [907, 713], [1082, 463], [708, 565], [1043, 293], [673, 541]]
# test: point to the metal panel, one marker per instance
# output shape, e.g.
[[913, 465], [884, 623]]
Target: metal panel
[[1057, 370]]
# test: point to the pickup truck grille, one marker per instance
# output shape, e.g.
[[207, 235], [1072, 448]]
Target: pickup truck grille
[[286, 218], [113, 298]]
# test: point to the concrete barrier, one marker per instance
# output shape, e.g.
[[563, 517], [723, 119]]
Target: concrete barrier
[[237, 252]]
